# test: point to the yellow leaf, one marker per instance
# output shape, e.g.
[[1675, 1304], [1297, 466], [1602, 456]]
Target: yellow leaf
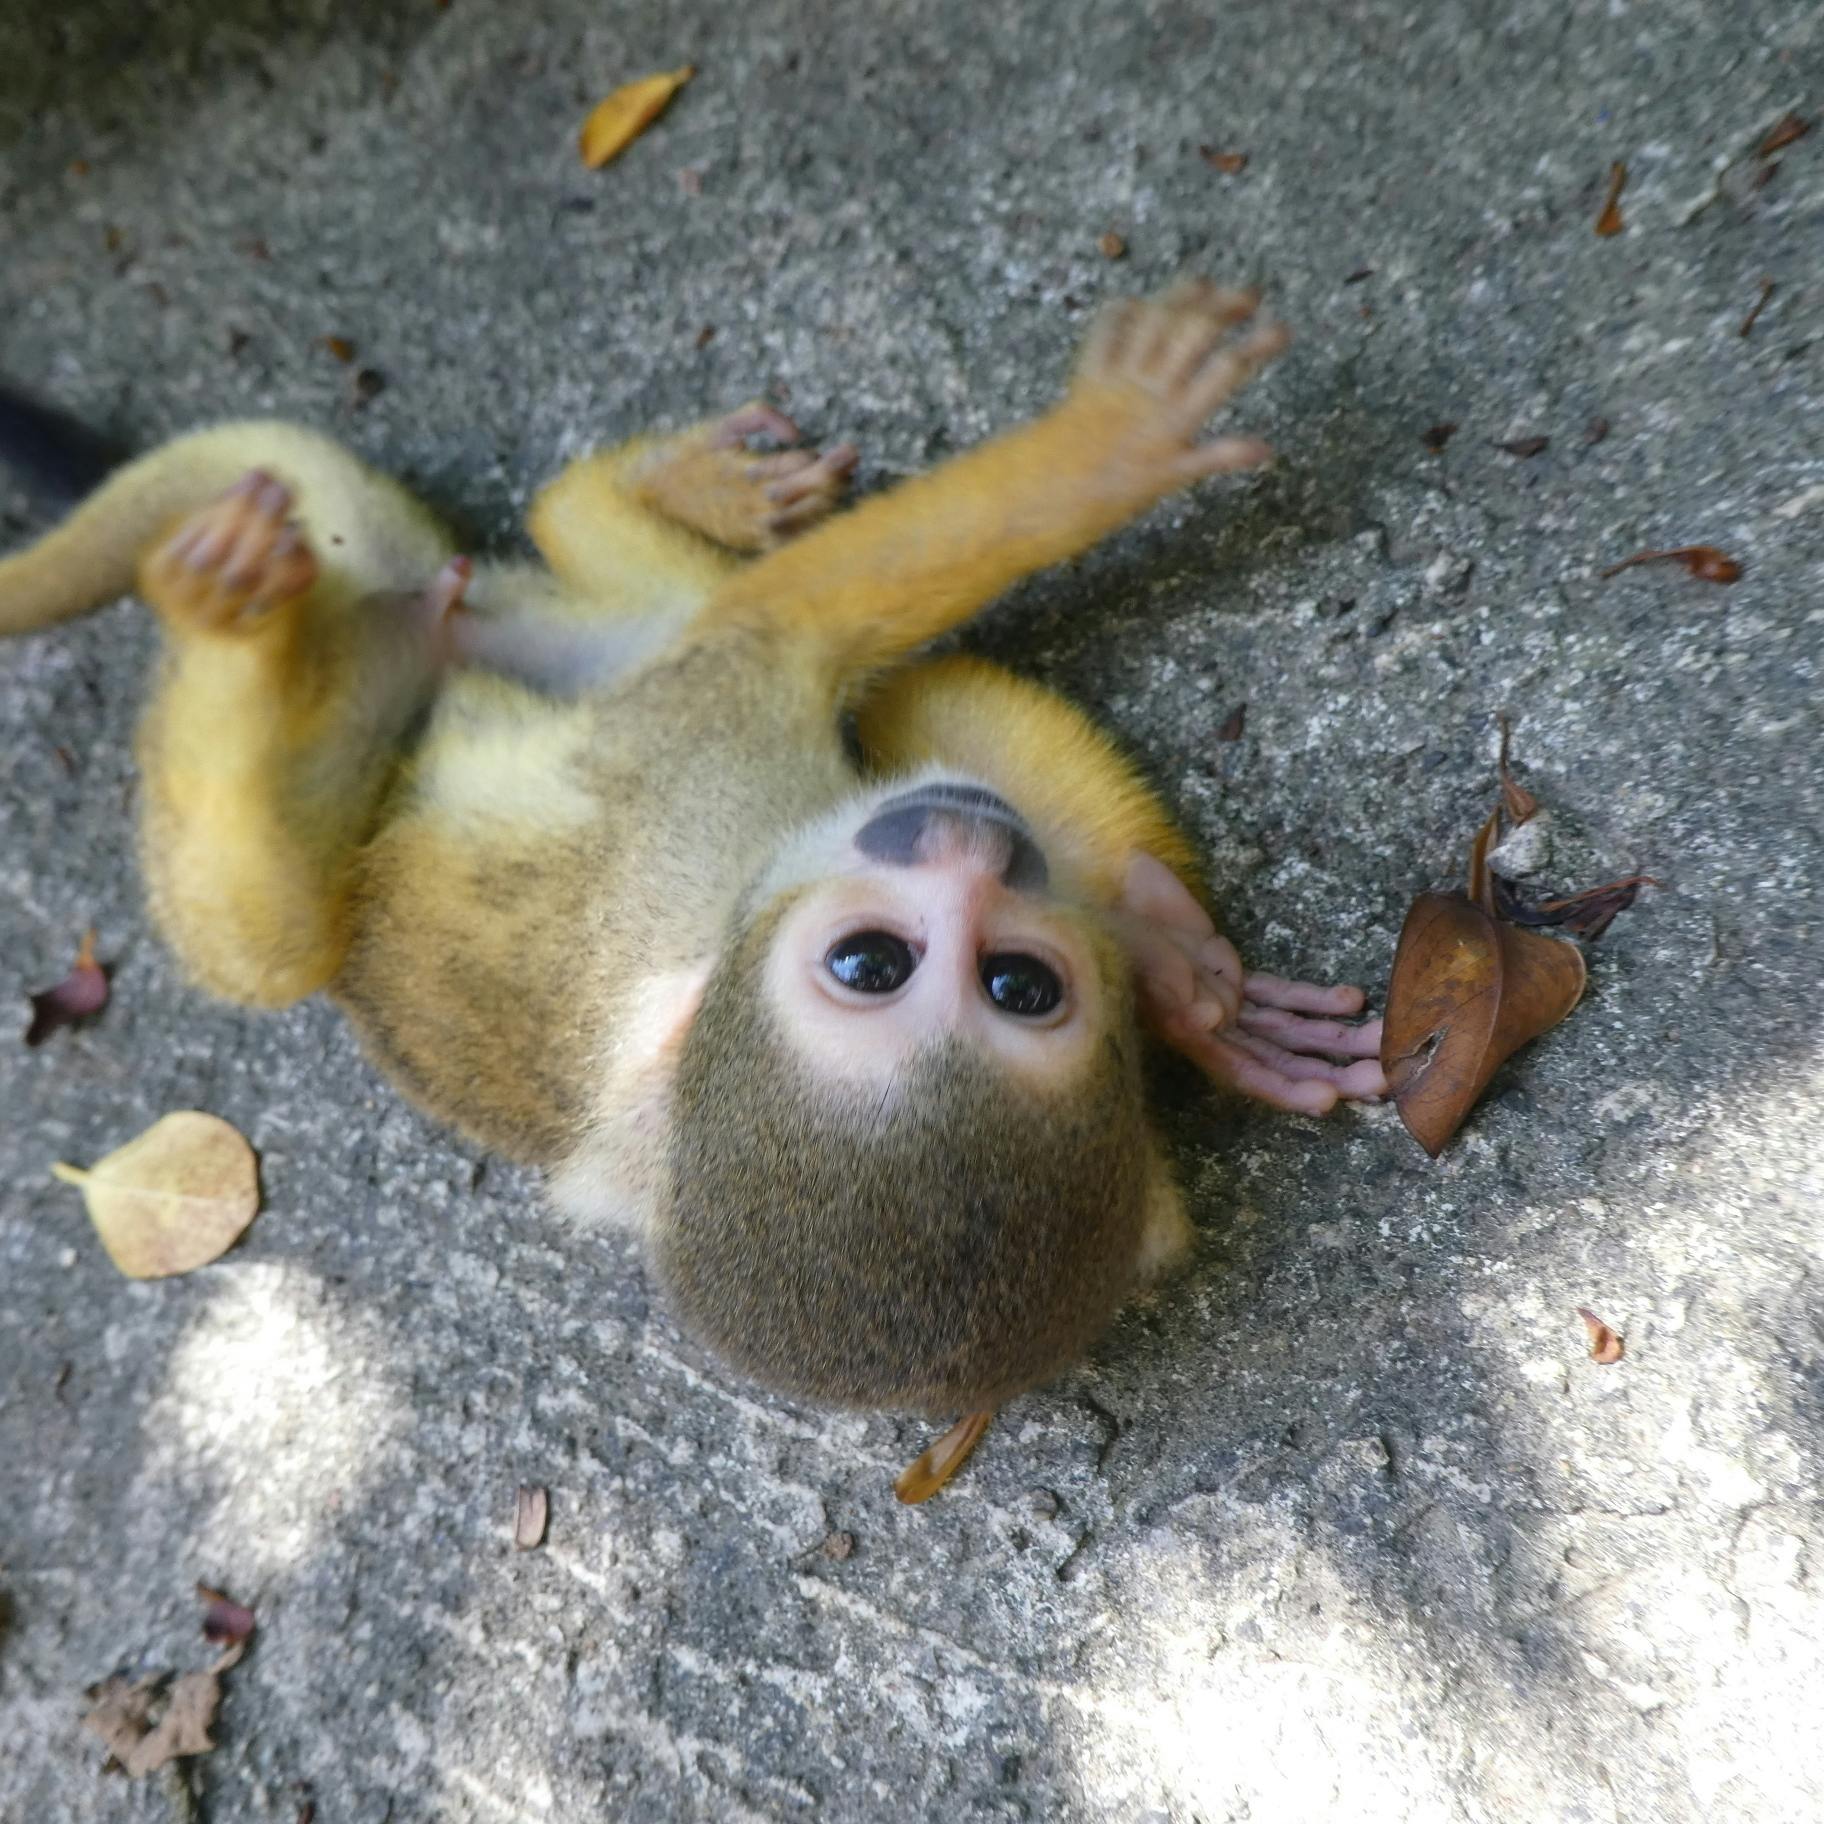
[[616, 122], [176, 1198], [921, 1480]]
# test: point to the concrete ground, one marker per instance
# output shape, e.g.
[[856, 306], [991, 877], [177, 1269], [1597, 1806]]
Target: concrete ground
[[1346, 1525]]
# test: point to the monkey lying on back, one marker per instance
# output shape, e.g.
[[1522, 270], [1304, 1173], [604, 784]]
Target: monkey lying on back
[[581, 853]]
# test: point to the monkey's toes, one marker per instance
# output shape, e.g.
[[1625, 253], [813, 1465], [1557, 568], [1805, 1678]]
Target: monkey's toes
[[238, 558], [810, 490], [755, 419]]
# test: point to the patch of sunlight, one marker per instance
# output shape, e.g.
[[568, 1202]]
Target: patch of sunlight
[[264, 1403], [1209, 1723]]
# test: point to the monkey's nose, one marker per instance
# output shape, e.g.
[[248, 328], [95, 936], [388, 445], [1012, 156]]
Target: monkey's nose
[[959, 825]]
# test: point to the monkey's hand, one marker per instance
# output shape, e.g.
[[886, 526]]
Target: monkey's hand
[[1154, 370], [1254, 1034]]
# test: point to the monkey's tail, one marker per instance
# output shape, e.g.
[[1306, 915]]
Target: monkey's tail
[[91, 557]]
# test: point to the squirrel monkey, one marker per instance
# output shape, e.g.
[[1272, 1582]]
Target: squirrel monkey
[[581, 852]]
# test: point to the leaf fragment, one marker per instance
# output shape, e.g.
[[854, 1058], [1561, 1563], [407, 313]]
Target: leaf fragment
[[1587, 914], [1516, 800], [1768, 288], [531, 1515], [1609, 221], [617, 120], [81, 994], [1606, 1346], [922, 1479], [123, 1709], [1467, 992], [1230, 164], [341, 348], [1782, 133], [175, 1198], [1438, 435], [1234, 724], [1701, 560], [225, 1621]]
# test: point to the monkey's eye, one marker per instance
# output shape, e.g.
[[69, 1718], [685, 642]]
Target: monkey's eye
[[1021, 984], [871, 962]]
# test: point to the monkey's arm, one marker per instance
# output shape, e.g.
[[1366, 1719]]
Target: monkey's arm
[[1257, 1034], [904, 567]]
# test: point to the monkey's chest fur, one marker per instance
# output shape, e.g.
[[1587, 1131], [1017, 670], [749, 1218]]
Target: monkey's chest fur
[[539, 859]]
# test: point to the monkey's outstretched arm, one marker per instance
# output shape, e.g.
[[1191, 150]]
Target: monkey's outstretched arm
[[873, 584]]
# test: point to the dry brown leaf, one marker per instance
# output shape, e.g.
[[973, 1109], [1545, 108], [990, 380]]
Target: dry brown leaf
[[1609, 221], [619, 119], [531, 1514], [1701, 560], [225, 1621], [340, 347], [177, 1197], [1782, 133], [1467, 992], [122, 1716], [1606, 1347], [1516, 800], [1587, 914], [938, 1464], [81, 994], [1768, 288], [1230, 164]]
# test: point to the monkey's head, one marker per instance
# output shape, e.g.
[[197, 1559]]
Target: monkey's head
[[909, 1160]]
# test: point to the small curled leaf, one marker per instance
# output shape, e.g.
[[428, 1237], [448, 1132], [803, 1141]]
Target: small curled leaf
[[619, 119], [1606, 1347], [1782, 133], [1609, 221], [938, 1464], [81, 994], [1703, 561], [176, 1198], [531, 1514]]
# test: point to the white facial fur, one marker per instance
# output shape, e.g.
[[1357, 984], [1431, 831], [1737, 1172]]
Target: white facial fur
[[952, 909]]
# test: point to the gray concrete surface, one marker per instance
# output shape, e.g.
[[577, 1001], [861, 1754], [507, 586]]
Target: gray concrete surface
[[1345, 1526]]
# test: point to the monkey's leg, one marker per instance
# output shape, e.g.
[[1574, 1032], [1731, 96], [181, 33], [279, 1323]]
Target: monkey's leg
[[654, 526], [1281, 1041], [270, 738], [904, 567]]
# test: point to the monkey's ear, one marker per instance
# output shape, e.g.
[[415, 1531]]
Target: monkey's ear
[[1167, 1236], [664, 1012]]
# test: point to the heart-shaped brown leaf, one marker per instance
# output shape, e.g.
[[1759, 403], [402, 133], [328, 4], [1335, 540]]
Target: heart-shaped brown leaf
[[1467, 992], [176, 1198], [938, 1464]]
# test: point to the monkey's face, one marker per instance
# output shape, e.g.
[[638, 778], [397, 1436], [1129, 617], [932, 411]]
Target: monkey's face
[[937, 918], [908, 1161]]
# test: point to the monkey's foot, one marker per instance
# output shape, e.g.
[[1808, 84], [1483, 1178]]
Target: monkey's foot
[[1253, 1033], [708, 479], [229, 565]]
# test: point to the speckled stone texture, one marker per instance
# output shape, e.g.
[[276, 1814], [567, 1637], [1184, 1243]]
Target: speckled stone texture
[[1345, 1525]]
